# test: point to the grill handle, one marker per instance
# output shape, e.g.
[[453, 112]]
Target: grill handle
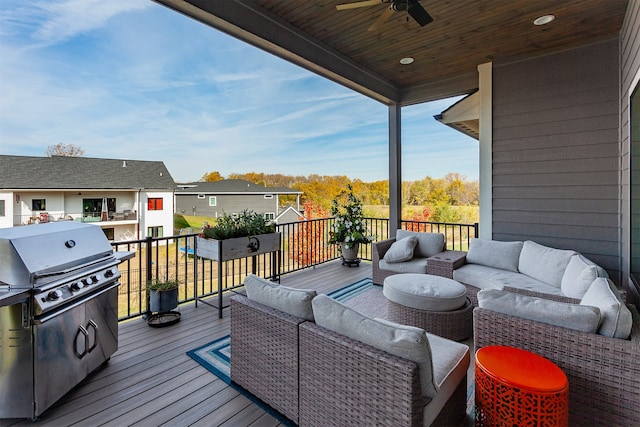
[[94, 326], [81, 330]]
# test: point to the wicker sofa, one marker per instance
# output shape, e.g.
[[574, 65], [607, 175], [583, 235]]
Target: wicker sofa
[[318, 377], [491, 264], [603, 372], [410, 249]]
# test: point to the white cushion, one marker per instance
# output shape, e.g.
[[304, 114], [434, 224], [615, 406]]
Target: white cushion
[[578, 276], [616, 317], [428, 245], [544, 263], [573, 316], [493, 253], [408, 342], [296, 302], [414, 265], [401, 250], [484, 277], [425, 292]]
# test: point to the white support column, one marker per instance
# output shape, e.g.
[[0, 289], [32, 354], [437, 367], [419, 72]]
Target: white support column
[[395, 168], [486, 150]]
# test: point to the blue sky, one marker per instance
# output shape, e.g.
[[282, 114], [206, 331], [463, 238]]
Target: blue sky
[[134, 80]]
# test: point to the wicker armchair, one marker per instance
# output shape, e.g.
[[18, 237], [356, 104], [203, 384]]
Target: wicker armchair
[[344, 382], [264, 353], [378, 249], [604, 373]]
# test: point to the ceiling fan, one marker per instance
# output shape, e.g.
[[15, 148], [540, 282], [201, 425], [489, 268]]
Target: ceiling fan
[[413, 8]]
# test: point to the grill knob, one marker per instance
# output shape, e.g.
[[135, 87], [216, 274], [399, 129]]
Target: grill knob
[[109, 273], [76, 286], [54, 295]]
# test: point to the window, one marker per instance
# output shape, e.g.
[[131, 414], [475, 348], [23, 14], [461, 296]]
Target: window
[[38, 204], [213, 201], [201, 196], [268, 196], [109, 233], [92, 208], [2, 208], [269, 216], [154, 204], [154, 231]]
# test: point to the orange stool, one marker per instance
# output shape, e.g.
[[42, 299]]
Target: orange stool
[[515, 387]]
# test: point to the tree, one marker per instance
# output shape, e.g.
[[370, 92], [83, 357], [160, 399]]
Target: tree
[[65, 150], [304, 244], [212, 177]]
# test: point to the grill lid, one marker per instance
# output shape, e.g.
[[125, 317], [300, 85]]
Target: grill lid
[[42, 249]]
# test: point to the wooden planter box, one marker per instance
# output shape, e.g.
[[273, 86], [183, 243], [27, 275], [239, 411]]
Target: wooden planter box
[[239, 247]]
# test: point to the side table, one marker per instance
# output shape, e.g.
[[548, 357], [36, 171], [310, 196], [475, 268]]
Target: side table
[[517, 387], [443, 263]]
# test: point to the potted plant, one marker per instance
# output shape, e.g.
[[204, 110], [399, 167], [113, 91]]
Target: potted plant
[[237, 236], [163, 295], [349, 230]]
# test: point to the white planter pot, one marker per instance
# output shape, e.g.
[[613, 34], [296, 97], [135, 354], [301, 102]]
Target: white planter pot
[[350, 254]]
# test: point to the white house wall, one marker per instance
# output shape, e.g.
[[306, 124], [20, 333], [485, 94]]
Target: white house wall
[[157, 218], [6, 220]]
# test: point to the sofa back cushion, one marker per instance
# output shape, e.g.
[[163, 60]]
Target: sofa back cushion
[[616, 316], [401, 250], [408, 342], [428, 245], [296, 302], [493, 253], [578, 276], [544, 263], [572, 316]]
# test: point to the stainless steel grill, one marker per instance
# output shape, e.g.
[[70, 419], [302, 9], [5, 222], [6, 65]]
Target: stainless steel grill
[[58, 311]]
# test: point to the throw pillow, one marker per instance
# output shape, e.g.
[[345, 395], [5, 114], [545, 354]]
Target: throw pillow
[[544, 263], [493, 253], [401, 250], [408, 342], [296, 302], [572, 316], [616, 317], [578, 276], [428, 245]]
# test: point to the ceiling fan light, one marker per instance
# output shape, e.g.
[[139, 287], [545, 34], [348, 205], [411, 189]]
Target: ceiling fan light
[[543, 20], [406, 61]]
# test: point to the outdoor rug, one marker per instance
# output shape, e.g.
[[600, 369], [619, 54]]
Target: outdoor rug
[[362, 296]]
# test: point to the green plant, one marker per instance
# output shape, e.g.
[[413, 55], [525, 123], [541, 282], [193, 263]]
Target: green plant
[[162, 285], [348, 226], [246, 223]]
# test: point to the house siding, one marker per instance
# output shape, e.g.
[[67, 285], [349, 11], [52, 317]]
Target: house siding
[[229, 204], [556, 164], [629, 75]]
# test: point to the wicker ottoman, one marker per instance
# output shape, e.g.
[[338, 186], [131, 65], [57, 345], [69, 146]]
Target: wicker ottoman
[[436, 304]]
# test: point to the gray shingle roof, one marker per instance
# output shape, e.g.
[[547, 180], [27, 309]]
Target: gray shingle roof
[[234, 186], [22, 172]]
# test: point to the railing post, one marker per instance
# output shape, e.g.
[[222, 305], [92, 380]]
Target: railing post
[[148, 244], [476, 227]]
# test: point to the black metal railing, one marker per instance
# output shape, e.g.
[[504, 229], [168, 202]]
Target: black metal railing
[[303, 244]]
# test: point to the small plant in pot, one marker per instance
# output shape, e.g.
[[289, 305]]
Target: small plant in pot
[[163, 298]]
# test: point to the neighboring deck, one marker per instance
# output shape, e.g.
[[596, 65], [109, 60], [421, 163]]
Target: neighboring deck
[[150, 380]]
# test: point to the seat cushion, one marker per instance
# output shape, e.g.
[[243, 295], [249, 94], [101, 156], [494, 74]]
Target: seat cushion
[[296, 302], [483, 277], [428, 245], [616, 317], [493, 253], [414, 265], [425, 292], [450, 364], [573, 316], [401, 250], [544, 263], [408, 342]]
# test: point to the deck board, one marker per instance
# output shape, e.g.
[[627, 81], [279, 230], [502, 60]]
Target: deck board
[[150, 380]]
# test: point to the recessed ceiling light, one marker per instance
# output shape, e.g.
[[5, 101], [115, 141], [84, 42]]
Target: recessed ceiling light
[[543, 20], [406, 61]]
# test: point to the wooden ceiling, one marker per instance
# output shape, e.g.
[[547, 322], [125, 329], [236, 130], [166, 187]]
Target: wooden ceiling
[[447, 51]]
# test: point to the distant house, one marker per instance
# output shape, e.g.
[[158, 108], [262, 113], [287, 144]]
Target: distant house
[[128, 199], [231, 196]]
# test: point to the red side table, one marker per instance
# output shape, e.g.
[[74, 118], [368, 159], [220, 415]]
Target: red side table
[[515, 387]]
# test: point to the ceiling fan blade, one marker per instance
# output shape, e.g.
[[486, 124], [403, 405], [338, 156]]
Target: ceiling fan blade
[[381, 19], [418, 13], [358, 4]]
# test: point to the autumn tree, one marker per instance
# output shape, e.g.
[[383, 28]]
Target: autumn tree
[[65, 150], [306, 244], [212, 177]]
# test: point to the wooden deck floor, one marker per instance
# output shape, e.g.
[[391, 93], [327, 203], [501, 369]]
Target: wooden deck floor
[[150, 380]]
